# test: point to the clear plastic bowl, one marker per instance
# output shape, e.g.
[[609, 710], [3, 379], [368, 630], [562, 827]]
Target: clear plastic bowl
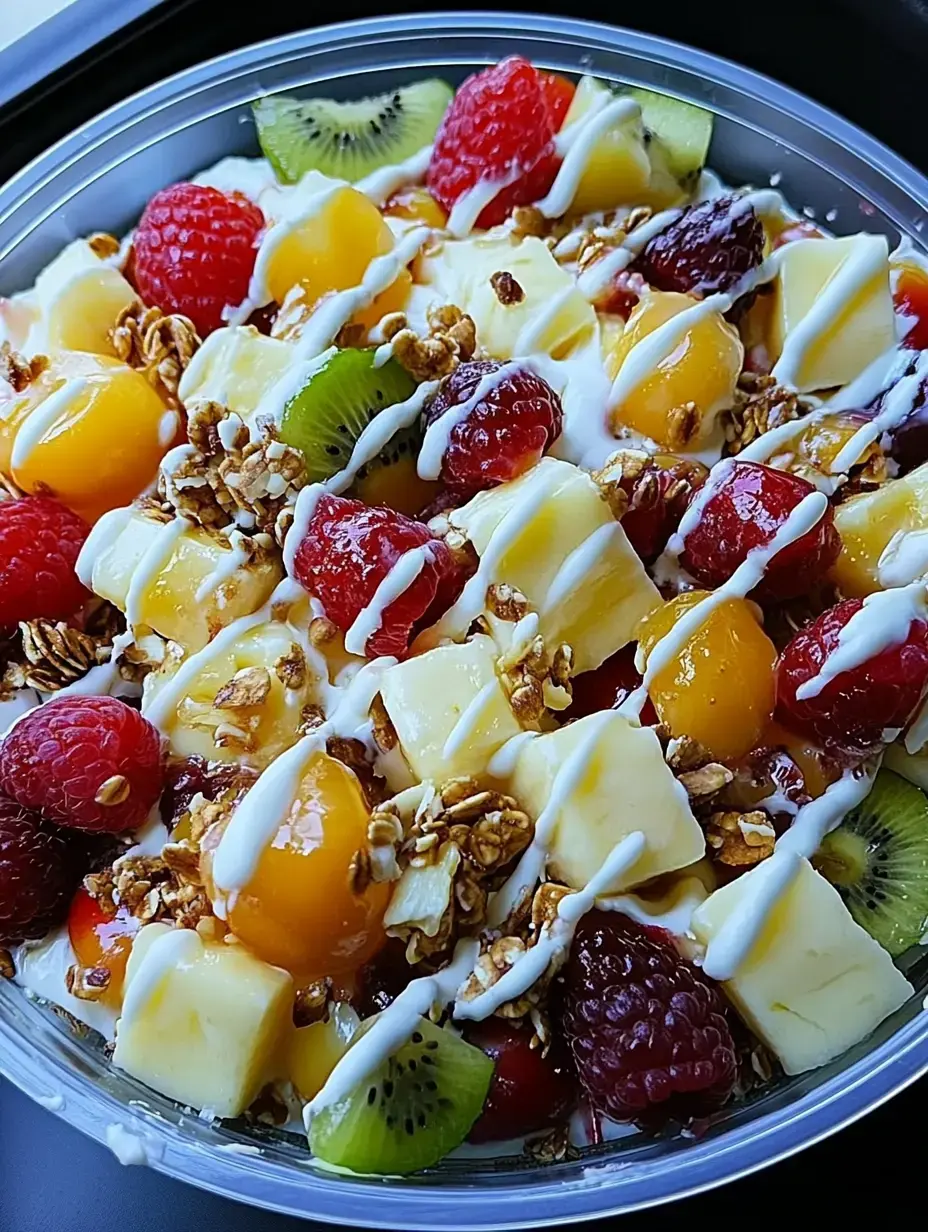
[[99, 178]]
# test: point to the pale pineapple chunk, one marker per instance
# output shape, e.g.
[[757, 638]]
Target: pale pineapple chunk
[[815, 982], [618, 171], [203, 1023], [236, 707], [553, 317], [450, 711], [235, 367], [572, 561], [857, 332], [197, 588], [627, 786], [883, 536], [78, 299]]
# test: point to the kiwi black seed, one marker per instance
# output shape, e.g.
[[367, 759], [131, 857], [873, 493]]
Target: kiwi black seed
[[394, 1122], [348, 140], [877, 859]]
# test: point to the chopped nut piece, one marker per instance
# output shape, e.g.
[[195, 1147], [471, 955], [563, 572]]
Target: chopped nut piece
[[384, 732], [506, 602], [740, 839], [683, 752], [533, 677], [311, 1003], [18, 371], [312, 715], [321, 632], [103, 245], [529, 220], [683, 424], [761, 404], [705, 781], [360, 872], [506, 289], [183, 859], [7, 969], [52, 655], [159, 346], [87, 983], [392, 324], [451, 339], [552, 1147], [546, 902], [290, 668], [114, 791], [248, 687]]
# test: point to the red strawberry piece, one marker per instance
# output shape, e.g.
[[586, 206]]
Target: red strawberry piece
[[659, 491], [40, 540], [607, 687], [350, 548], [498, 127], [910, 297], [529, 1091], [559, 93], [802, 229], [194, 252], [709, 248], [503, 433], [855, 708], [621, 295], [37, 874], [746, 509], [648, 1031], [92, 763]]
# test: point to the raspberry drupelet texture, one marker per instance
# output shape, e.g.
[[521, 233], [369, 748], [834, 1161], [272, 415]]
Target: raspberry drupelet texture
[[37, 874], [649, 1033], [91, 763], [747, 507], [499, 128], [857, 707], [40, 540], [350, 548], [504, 434], [709, 248], [194, 252]]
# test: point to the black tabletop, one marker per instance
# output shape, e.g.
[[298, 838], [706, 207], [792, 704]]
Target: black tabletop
[[866, 59]]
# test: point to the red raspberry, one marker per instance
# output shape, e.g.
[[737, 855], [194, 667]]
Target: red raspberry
[[350, 548], [194, 252], [504, 434], [708, 249], [40, 540], [855, 708], [528, 1091], [746, 509], [607, 686], [648, 1031], [559, 93], [60, 755], [37, 874], [499, 122], [659, 491], [186, 777]]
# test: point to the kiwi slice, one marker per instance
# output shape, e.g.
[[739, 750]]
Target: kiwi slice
[[682, 130], [413, 1110], [348, 140], [877, 859], [336, 404]]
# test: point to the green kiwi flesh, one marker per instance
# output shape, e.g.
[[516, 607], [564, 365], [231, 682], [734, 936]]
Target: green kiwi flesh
[[413, 1110], [682, 129], [348, 140], [336, 404], [877, 859]]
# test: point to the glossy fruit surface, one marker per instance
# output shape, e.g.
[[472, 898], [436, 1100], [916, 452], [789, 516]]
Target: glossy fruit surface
[[100, 939], [708, 249], [40, 541], [36, 874]]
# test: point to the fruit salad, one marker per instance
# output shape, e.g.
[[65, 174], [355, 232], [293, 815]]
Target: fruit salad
[[465, 628]]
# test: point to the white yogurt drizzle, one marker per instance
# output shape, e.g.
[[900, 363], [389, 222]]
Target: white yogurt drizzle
[[884, 620], [579, 564], [381, 184], [904, 559], [731, 946], [554, 938], [577, 144], [594, 280], [304, 509], [897, 405], [379, 432], [532, 334], [391, 1029], [468, 720], [153, 561], [101, 538], [503, 762], [570, 774], [468, 207], [807, 514], [396, 582], [856, 271], [230, 561], [438, 434], [172, 949], [32, 431]]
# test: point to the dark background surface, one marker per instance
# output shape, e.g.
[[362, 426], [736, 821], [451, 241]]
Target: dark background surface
[[868, 59]]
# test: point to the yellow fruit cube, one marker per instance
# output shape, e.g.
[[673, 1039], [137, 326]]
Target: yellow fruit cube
[[815, 983], [857, 327], [450, 711], [618, 171], [204, 1023], [315, 1050], [235, 367], [626, 786], [883, 536]]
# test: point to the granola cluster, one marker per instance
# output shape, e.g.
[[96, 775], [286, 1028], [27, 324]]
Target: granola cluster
[[451, 340], [48, 655], [227, 477], [537, 679], [631, 481], [157, 345], [17, 371]]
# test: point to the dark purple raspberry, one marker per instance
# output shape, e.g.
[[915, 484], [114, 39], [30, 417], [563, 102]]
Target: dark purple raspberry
[[709, 248], [38, 873], [649, 1033], [186, 777]]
